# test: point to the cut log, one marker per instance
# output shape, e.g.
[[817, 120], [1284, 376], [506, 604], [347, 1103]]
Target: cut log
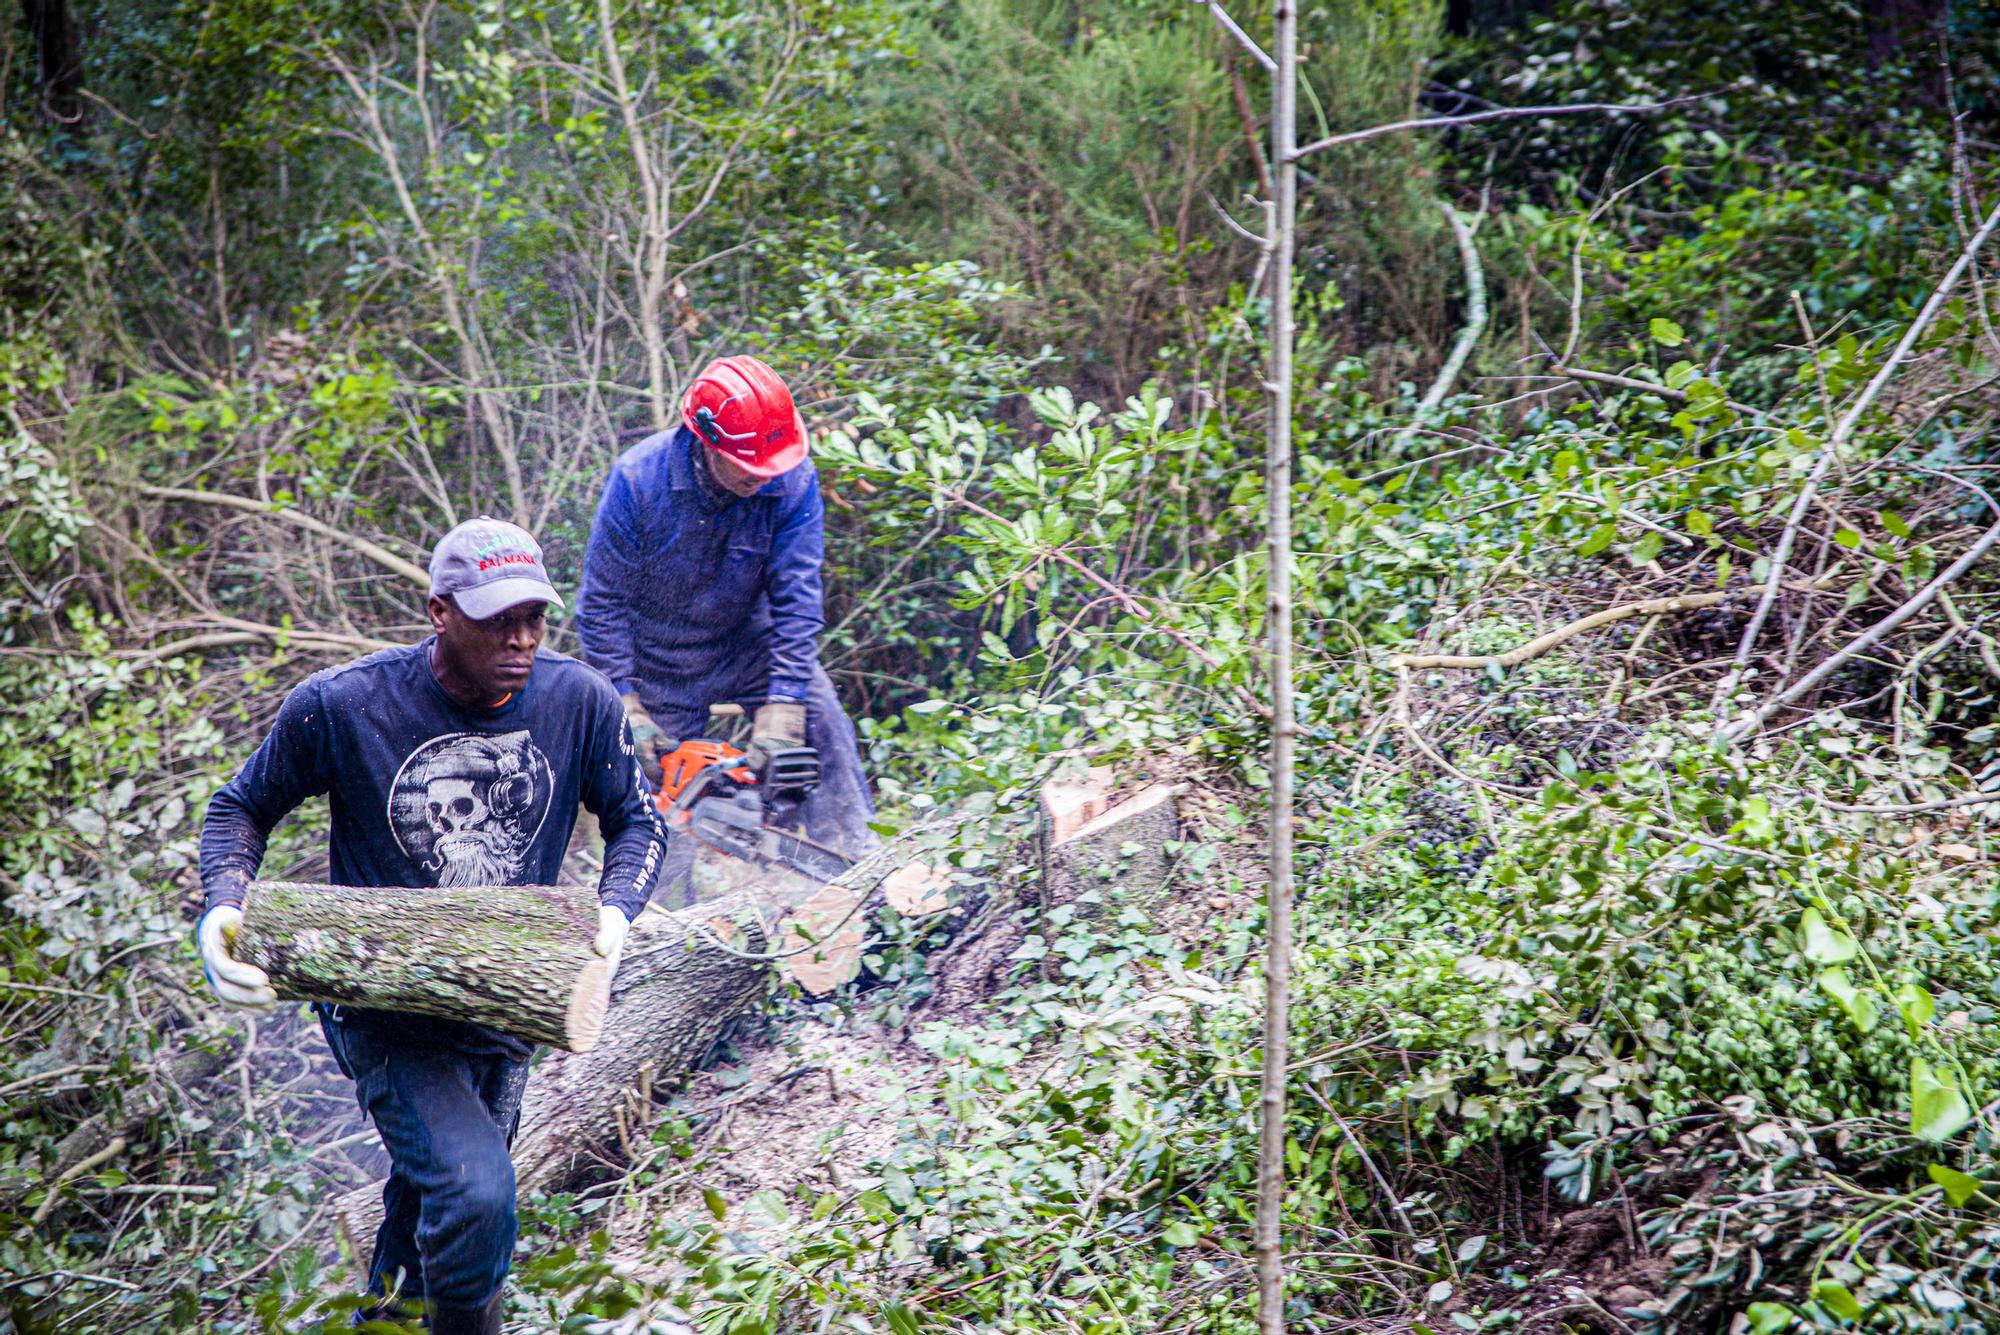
[[917, 890], [673, 992], [1069, 801], [685, 974], [823, 940], [516, 958]]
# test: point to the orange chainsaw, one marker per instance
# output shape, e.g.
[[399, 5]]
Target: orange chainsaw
[[710, 792]]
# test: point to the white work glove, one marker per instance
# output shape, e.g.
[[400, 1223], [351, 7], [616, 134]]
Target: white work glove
[[612, 925], [235, 983]]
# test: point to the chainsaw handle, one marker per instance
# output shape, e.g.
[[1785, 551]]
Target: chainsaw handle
[[786, 771]]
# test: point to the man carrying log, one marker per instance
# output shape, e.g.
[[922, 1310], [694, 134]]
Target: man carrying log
[[702, 586], [459, 761]]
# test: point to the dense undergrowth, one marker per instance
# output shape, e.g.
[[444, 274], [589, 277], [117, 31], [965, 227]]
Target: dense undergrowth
[[1611, 1014]]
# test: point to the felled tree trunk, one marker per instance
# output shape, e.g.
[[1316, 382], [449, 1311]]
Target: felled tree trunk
[[674, 991], [676, 987], [516, 958]]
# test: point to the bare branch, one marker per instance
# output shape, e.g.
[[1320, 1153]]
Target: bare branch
[[1644, 387], [1268, 1245], [1498, 114], [1912, 808], [1541, 644], [1468, 337], [317, 641], [1842, 430], [1243, 39], [381, 556], [1867, 639]]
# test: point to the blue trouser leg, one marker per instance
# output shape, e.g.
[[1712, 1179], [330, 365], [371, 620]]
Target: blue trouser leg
[[446, 1117], [837, 812]]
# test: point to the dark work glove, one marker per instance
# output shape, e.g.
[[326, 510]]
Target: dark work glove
[[649, 739], [778, 755]]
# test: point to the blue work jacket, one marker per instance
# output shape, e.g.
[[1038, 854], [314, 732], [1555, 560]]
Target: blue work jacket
[[680, 588]]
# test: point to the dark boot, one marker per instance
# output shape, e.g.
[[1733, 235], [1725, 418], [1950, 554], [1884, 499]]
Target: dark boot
[[467, 1320]]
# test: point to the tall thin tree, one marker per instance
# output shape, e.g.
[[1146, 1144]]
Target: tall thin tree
[[1278, 619]]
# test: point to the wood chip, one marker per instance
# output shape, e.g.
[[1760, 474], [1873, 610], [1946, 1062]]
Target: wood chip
[[915, 889], [826, 931]]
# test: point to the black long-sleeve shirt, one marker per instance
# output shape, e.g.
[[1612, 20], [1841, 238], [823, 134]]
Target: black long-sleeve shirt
[[426, 791]]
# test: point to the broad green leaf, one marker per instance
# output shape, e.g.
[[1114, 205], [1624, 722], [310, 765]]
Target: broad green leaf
[[1894, 523], [1180, 1233], [1858, 1002], [1756, 823], [902, 1320], [898, 1187], [1600, 538], [1938, 1110], [1847, 538], [1916, 1006], [1698, 522], [1958, 1187], [1666, 333], [1564, 465], [1469, 1249], [1835, 1298], [1825, 943], [1768, 1318], [717, 1206]]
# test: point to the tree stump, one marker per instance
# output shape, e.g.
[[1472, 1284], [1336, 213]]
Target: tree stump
[[516, 958], [1091, 839]]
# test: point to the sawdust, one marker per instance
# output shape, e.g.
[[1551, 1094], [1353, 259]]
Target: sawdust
[[804, 1112], [811, 1104]]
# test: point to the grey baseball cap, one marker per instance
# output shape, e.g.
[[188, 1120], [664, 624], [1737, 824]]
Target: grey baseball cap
[[488, 565]]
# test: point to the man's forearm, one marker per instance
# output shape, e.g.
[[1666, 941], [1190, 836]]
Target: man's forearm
[[604, 631], [232, 850], [632, 857]]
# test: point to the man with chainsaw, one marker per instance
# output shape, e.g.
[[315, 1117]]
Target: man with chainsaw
[[701, 586], [459, 761]]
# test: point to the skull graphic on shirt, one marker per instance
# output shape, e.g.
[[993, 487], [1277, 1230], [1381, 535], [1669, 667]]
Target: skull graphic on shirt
[[466, 807]]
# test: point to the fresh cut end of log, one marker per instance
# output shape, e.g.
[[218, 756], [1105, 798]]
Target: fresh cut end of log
[[587, 1005], [515, 958]]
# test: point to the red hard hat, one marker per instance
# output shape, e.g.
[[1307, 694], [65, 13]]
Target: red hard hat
[[740, 407]]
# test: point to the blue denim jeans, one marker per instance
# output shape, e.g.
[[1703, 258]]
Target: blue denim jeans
[[447, 1117]]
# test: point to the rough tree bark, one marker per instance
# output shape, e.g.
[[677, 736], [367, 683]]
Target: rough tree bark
[[513, 958]]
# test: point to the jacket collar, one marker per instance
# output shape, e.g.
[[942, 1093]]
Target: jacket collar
[[685, 472]]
